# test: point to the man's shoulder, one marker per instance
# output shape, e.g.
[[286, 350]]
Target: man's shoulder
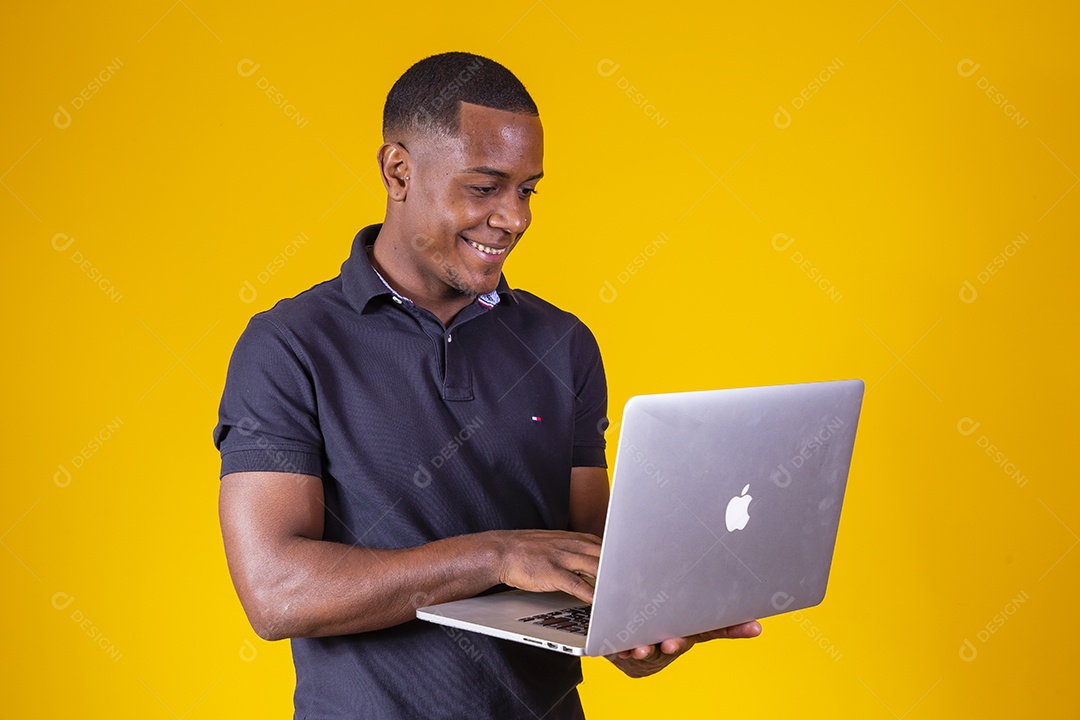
[[535, 305], [306, 310], [538, 312]]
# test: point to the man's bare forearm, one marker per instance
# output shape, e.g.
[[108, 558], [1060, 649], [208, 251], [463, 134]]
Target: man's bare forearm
[[292, 583], [318, 588]]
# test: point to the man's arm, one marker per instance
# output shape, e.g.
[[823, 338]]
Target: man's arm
[[588, 500], [292, 583]]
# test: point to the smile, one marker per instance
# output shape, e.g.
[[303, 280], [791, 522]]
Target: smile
[[486, 249]]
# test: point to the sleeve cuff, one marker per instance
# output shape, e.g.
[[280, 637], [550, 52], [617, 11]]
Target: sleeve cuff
[[289, 461], [589, 456]]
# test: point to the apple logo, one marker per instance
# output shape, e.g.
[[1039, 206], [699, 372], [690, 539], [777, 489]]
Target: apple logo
[[737, 515]]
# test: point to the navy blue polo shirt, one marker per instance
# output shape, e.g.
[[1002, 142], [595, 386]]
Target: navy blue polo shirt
[[419, 432]]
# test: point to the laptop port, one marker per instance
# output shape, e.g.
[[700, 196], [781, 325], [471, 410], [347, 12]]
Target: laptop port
[[553, 646]]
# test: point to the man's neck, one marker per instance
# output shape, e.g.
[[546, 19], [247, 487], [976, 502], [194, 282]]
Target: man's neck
[[385, 258]]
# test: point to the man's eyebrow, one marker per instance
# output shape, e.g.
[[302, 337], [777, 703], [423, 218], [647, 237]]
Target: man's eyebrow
[[488, 170]]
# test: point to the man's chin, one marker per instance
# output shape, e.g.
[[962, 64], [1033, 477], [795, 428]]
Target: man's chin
[[473, 289], [473, 292]]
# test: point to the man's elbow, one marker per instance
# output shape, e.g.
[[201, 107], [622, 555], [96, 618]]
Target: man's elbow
[[271, 611], [270, 632], [269, 619]]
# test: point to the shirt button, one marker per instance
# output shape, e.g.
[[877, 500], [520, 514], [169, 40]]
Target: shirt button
[[449, 337], [397, 299]]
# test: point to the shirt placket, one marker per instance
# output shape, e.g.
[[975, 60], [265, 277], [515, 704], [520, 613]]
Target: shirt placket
[[451, 360]]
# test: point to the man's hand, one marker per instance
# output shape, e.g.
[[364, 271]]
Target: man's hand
[[548, 560], [649, 659]]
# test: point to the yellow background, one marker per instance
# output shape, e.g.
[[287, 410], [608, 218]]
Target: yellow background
[[898, 179]]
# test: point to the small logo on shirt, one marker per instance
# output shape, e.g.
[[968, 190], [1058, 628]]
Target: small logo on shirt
[[537, 418]]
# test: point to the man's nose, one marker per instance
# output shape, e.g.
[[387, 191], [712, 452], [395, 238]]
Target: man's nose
[[511, 215]]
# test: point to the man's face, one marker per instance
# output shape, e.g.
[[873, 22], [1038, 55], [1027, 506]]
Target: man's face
[[468, 199]]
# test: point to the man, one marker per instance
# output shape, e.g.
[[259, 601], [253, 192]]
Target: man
[[414, 431]]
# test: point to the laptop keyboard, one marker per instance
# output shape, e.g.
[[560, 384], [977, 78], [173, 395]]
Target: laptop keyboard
[[574, 620]]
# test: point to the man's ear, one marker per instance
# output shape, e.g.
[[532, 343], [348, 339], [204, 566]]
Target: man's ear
[[394, 165]]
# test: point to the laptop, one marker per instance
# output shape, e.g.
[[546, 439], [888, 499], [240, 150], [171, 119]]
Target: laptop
[[724, 508]]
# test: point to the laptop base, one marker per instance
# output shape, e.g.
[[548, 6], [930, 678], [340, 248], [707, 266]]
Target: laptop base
[[500, 614]]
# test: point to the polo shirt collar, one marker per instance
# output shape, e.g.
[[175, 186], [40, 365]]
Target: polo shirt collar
[[362, 283]]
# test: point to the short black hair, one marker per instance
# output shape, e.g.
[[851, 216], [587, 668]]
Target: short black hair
[[428, 96]]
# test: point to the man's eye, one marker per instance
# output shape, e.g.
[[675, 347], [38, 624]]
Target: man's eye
[[529, 191], [483, 189]]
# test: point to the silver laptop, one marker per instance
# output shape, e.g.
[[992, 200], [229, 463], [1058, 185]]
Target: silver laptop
[[724, 508]]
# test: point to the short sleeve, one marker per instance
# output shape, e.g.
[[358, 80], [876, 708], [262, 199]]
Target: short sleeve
[[590, 419], [268, 420]]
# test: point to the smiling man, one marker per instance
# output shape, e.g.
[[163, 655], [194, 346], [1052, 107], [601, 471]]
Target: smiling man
[[458, 201], [413, 431]]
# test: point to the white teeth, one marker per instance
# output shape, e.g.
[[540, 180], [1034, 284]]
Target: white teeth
[[486, 249]]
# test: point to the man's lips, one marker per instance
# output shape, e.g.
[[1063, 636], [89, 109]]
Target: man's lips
[[489, 253]]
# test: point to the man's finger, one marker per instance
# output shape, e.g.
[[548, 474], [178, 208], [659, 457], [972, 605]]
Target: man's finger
[[590, 544], [735, 632], [578, 563], [645, 652], [676, 646], [576, 586]]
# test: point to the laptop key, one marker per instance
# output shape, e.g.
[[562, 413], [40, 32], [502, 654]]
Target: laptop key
[[573, 620]]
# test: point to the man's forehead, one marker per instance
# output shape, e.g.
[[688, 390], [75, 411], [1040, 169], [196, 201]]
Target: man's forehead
[[488, 126], [493, 138]]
